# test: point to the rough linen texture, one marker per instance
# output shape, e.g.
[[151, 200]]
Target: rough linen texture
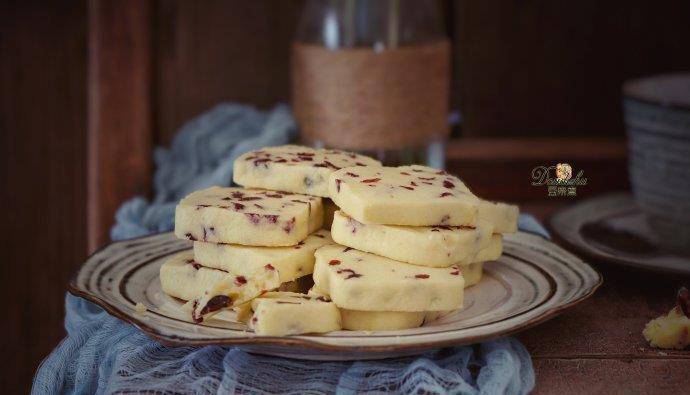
[[104, 355]]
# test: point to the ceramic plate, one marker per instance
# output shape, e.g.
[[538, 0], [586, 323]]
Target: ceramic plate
[[612, 228], [533, 281]]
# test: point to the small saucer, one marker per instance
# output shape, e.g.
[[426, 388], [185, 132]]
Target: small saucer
[[613, 229]]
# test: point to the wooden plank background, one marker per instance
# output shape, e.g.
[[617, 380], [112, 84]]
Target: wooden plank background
[[522, 68], [120, 109], [42, 177]]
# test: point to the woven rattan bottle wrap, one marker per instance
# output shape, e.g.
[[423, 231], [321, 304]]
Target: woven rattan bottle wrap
[[358, 98]]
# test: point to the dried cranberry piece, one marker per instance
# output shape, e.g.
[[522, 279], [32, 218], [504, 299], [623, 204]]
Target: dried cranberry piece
[[194, 317], [273, 195], [271, 218], [353, 223], [306, 158], [253, 217], [370, 180], [190, 236], [257, 162], [305, 154], [347, 249], [427, 178], [448, 184], [334, 262], [421, 276], [405, 173], [200, 206], [360, 164], [268, 266], [413, 183], [216, 303], [238, 206], [406, 187], [249, 198], [255, 320], [329, 164], [289, 225], [444, 194], [194, 263], [281, 160], [237, 194], [337, 184], [352, 273], [352, 174], [240, 280], [455, 272]]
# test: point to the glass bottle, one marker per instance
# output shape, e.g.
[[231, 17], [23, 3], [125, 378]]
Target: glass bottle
[[373, 77]]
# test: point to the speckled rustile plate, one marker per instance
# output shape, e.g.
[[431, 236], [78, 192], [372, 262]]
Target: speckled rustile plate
[[533, 281]]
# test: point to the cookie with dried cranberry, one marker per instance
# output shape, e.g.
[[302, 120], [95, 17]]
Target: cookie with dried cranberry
[[433, 246], [407, 195], [358, 280], [291, 262], [287, 313], [247, 216], [294, 168], [233, 290], [184, 278]]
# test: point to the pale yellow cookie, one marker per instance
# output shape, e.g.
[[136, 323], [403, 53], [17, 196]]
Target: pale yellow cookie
[[358, 280], [247, 216], [433, 246], [291, 262], [294, 168], [407, 195]]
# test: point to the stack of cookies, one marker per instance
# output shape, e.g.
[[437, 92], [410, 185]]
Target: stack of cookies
[[409, 240], [247, 241]]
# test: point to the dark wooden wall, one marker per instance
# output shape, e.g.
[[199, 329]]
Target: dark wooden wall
[[214, 51], [42, 177], [522, 67], [544, 67]]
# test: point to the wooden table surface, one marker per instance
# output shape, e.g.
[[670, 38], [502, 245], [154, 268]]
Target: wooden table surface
[[597, 347]]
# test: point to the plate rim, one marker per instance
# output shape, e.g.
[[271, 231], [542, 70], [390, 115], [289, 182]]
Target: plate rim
[[291, 341], [584, 250]]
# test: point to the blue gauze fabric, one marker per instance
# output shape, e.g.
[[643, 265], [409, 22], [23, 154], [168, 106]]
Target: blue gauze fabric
[[102, 354]]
